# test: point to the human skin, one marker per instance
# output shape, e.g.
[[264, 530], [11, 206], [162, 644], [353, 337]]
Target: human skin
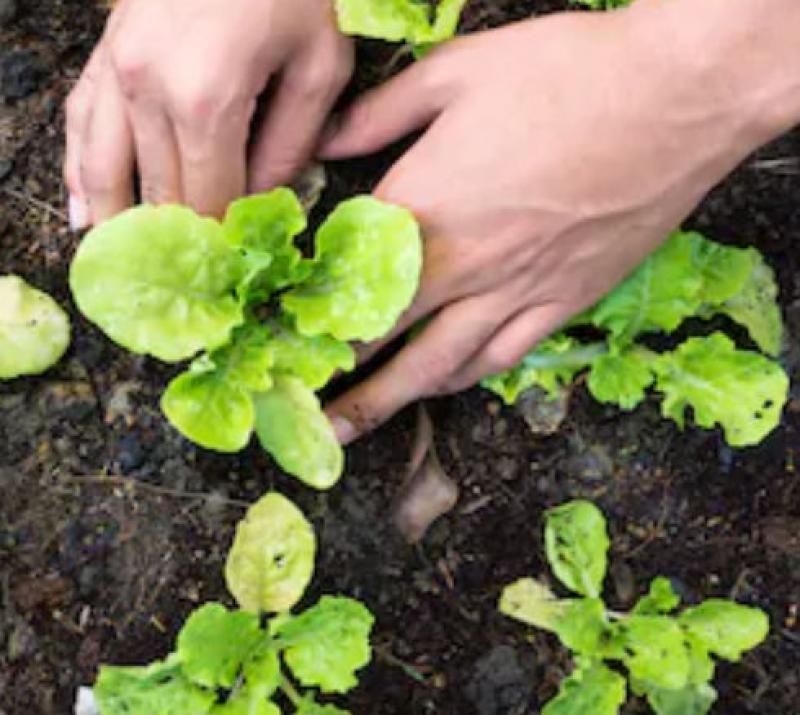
[[172, 89], [557, 153]]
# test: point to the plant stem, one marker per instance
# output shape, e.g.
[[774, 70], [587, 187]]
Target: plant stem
[[578, 357], [290, 691]]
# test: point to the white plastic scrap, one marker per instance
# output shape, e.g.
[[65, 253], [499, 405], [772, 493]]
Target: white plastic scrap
[[85, 703]]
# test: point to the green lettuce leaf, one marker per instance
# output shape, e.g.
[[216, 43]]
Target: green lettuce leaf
[[271, 561], [157, 689], [551, 366], [591, 688], [34, 331], [660, 599], [742, 391], [212, 402], [532, 602], [365, 273], [247, 701], [658, 296], [214, 643], [655, 650], [576, 543], [263, 671], [723, 270], [328, 643], [694, 699], [621, 378], [725, 628], [583, 627], [159, 280], [292, 427], [313, 359]]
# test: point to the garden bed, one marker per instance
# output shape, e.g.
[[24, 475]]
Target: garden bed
[[113, 527]]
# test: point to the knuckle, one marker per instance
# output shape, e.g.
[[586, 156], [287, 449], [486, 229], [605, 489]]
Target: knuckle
[[131, 67]]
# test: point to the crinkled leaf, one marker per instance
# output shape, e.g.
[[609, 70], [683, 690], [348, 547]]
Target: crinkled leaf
[[292, 427], [660, 599], [400, 20], [551, 366], [655, 650], [756, 307], [247, 701], [313, 359], [157, 689], [621, 378], [723, 270], [532, 602], [583, 626], [365, 274], [263, 670], [272, 558], [576, 542], [694, 699], [725, 628], [328, 643], [593, 688], [34, 331], [658, 296], [214, 643], [264, 227], [742, 391], [159, 280]]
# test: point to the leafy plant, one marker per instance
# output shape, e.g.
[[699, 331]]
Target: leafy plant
[[689, 276], [668, 655], [233, 662], [271, 325], [34, 331], [420, 23]]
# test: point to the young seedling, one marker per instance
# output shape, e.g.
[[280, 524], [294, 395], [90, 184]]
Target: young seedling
[[239, 662], [270, 326], [34, 331], [667, 655], [744, 391]]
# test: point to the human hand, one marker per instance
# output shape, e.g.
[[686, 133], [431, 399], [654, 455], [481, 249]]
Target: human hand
[[559, 153], [172, 89]]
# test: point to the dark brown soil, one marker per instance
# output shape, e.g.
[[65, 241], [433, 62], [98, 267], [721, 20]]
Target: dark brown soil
[[97, 568]]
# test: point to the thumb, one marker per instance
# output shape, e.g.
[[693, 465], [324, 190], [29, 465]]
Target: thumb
[[405, 103]]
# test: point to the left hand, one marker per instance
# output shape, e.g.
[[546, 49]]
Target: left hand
[[559, 153]]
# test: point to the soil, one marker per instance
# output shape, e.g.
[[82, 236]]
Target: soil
[[112, 527]]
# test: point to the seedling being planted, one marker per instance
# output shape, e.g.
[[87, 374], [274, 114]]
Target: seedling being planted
[[246, 661], [743, 391], [667, 653], [264, 326]]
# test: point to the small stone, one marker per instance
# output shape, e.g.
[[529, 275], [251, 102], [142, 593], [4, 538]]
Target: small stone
[[20, 74], [542, 413], [129, 454]]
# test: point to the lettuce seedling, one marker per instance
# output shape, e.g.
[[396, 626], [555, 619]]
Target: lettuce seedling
[[667, 655], [34, 331], [265, 326], [419, 23], [237, 662], [744, 391]]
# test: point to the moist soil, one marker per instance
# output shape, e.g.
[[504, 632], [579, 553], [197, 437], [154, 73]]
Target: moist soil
[[113, 528]]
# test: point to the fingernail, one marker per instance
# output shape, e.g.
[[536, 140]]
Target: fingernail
[[78, 213], [344, 429]]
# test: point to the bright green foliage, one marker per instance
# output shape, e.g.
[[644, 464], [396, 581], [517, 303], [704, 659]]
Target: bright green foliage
[[159, 281], [742, 391], [166, 282], [667, 657], [365, 273], [689, 276], [291, 426], [577, 543], [271, 561], [416, 22], [592, 688], [34, 331], [231, 662], [214, 644], [328, 643]]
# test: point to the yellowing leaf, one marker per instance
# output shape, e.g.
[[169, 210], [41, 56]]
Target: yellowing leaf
[[532, 602]]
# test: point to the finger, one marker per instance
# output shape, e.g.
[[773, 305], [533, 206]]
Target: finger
[[106, 153], [212, 143], [420, 369], [410, 101], [512, 342], [306, 92]]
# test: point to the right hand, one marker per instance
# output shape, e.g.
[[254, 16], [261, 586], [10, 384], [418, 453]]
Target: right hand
[[172, 90]]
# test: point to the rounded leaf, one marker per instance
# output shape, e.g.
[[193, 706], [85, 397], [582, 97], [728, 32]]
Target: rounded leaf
[[34, 331], [159, 280], [725, 628], [271, 561]]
